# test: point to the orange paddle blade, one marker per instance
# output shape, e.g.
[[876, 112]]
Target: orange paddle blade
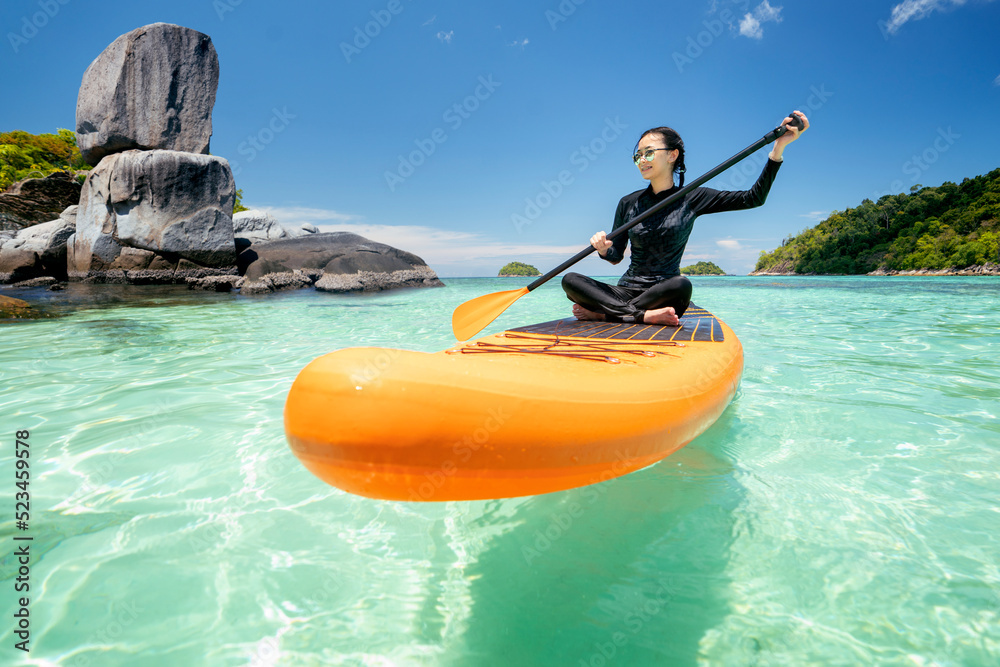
[[473, 316]]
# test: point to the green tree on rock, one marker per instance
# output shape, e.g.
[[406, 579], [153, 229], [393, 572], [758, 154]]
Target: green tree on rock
[[702, 269], [518, 269], [238, 204], [25, 155]]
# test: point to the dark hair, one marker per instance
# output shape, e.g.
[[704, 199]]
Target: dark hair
[[672, 140]]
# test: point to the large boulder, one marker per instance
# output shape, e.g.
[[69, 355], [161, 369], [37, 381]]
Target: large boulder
[[305, 229], [39, 250], [151, 88], [165, 215], [335, 261], [376, 281], [36, 200], [70, 213], [256, 226]]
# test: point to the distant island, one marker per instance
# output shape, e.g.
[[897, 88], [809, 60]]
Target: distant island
[[518, 269], [950, 229], [702, 269]]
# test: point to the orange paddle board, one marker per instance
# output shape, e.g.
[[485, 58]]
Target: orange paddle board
[[532, 410]]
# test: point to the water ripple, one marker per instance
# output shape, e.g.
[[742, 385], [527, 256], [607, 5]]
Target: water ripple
[[842, 511]]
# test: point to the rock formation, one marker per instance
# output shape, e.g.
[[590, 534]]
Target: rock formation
[[305, 229], [157, 209], [39, 250], [255, 226], [336, 262], [36, 200], [151, 88], [154, 208], [987, 269], [162, 214]]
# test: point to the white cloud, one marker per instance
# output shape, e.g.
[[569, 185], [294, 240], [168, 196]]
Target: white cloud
[[293, 216], [765, 12], [914, 10], [440, 248], [729, 244], [750, 25], [996, 81], [523, 43], [430, 20], [445, 37], [815, 216]]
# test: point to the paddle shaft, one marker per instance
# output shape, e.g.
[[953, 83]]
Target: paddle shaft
[[757, 145]]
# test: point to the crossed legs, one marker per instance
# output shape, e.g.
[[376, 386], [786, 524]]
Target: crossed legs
[[663, 303]]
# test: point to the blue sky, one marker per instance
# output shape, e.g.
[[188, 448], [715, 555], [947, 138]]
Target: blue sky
[[477, 133]]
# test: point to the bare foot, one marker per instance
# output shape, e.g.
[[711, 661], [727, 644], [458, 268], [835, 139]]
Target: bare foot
[[581, 313], [666, 316]]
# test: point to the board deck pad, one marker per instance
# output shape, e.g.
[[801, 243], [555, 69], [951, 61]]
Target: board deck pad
[[697, 325]]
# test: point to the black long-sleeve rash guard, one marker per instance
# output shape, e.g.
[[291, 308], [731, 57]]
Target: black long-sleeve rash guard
[[658, 243]]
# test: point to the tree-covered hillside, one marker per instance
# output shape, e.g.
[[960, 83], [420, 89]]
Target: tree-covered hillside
[[25, 155], [950, 226]]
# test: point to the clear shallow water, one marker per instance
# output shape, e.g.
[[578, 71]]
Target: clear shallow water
[[844, 510]]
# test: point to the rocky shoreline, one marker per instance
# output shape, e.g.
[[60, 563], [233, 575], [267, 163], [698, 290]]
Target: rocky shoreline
[[988, 269], [157, 208], [271, 258]]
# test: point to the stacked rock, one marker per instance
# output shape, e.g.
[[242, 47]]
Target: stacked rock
[[156, 208]]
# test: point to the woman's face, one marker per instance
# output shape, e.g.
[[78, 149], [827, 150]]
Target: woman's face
[[662, 161]]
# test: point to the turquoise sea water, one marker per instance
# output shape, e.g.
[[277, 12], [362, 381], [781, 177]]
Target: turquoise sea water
[[845, 509]]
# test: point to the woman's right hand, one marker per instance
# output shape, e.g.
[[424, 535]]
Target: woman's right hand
[[601, 243]]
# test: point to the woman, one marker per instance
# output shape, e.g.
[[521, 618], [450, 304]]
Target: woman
[[652, 291]]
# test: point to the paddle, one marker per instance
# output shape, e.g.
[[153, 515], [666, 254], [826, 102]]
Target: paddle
[[475, 315]]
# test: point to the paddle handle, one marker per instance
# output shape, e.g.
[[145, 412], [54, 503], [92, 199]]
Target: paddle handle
[[753, 148]]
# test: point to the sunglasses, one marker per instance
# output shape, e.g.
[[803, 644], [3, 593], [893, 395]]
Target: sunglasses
[[647, 154]]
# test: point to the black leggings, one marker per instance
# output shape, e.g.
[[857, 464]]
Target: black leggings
[[627, 304]]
